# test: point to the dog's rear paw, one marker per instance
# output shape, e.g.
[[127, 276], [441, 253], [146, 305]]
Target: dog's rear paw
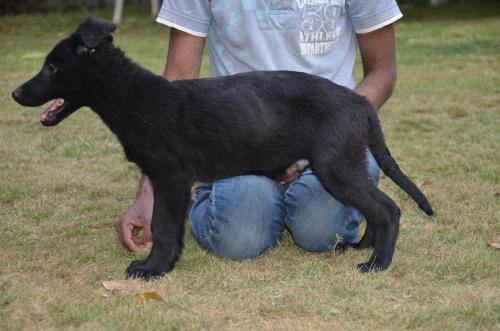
[[141, 269], [371, 266]]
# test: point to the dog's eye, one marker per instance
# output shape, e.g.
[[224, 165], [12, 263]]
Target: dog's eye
[[51, 69]]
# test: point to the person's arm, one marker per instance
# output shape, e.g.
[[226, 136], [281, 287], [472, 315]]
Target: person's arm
[[378, 55], [183, 62], [184, 56]]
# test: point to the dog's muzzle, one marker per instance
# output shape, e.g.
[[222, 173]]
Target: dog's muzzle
[[58, 110]]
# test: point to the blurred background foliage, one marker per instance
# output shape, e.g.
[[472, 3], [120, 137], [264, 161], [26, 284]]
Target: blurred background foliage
[[31, 6]]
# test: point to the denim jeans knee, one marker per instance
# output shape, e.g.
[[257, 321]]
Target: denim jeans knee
[[315, 219], [239, 217]]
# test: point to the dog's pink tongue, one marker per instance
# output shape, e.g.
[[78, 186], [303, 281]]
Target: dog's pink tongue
[[53, 106]]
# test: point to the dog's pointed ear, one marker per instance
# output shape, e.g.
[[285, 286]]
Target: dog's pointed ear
[[93, 31]]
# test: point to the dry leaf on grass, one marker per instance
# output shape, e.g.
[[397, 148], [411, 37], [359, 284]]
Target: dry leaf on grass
[[143, 296], [117, 285], [495, 245]]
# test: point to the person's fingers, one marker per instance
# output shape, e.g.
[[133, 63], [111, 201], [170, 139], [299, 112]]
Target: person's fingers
[[293, 171], [148, 235], [126, 232], [145, 241], [290, 174], [129, 243], [290, 171], [138, 240], [288, 180], [302, 164]]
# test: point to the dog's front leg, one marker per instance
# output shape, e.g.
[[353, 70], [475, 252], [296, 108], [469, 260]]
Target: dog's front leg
[[171, 199]]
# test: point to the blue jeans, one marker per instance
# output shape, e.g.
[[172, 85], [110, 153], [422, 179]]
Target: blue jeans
[[242, 217]]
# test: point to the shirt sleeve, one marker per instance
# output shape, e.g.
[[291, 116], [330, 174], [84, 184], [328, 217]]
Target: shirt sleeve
[[367, 16], [191, 16]]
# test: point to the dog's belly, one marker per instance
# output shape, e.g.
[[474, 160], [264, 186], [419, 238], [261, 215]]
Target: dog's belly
[[207, 174], [257, 157]]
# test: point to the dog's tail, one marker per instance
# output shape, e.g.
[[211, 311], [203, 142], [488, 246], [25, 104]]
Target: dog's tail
[[390, 167]]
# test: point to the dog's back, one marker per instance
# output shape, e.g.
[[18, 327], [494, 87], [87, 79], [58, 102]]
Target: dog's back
[[266, 119]]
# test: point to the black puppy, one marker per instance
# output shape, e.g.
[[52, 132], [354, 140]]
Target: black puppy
[[206, 129]]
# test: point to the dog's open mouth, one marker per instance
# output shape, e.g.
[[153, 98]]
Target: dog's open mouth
[[58, 110]]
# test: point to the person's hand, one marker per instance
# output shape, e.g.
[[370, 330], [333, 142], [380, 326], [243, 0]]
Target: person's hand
[[293, 171], [137, 218], [129, 229]]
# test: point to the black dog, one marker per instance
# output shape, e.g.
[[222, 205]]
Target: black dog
[[206, 129]]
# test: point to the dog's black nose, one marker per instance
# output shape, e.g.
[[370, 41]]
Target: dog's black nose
[[16, 93]]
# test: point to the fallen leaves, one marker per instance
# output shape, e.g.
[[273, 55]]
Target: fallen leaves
[[495, 245], [144, 296], [118, 285], [111, 286]]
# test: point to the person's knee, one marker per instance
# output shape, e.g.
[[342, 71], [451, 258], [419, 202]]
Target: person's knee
[[242, 218], [314, 218], [241, 244], [314, 241]]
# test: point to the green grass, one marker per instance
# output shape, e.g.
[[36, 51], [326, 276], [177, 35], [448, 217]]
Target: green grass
[[62, 189]]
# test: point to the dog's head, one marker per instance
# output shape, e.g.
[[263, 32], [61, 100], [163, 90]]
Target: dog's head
[[62, 75]]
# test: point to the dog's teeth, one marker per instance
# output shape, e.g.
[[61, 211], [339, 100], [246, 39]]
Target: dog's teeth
[[57, 103]]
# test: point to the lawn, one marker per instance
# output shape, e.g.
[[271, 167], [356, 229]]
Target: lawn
[[62, 189]]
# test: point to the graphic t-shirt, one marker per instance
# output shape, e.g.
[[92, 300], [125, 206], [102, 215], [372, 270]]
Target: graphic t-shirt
[[313, 36]]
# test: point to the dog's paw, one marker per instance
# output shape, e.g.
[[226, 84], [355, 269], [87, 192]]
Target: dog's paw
[[363, 267], [371, 266], [141, 269]]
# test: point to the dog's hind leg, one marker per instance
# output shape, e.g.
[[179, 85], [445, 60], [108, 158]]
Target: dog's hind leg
[[171, 199], [383, 238], [368, 239], [348, 183]]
